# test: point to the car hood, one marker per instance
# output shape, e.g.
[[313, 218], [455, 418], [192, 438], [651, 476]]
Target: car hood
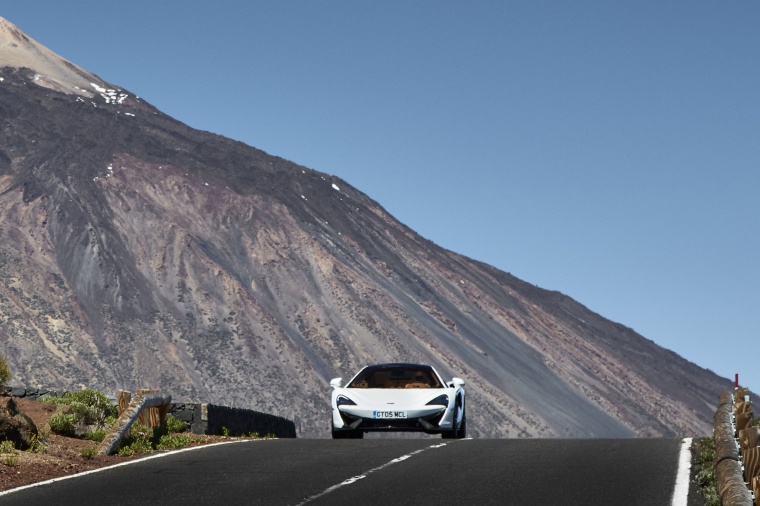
[[400, 398]]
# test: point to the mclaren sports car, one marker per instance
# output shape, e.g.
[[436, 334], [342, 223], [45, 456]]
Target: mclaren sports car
[[398, 397]]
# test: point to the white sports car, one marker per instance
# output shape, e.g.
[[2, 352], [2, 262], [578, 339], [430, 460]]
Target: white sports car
[[398, 397]]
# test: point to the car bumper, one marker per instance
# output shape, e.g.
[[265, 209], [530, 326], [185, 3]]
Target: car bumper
[[434, 419]]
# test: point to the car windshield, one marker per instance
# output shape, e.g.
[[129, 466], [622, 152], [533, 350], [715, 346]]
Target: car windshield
[[396, 376]]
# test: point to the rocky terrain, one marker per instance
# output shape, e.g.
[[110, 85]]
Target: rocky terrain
[[136, 252]]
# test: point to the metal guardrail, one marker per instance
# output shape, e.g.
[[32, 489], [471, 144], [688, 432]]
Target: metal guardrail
[[737, 450]]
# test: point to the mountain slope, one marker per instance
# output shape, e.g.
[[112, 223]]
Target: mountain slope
[[136, 251]]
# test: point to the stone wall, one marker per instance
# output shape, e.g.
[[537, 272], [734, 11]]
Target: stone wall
[[32, 394], [213, 419]]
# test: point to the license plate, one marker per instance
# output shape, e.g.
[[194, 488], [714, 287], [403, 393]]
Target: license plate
[[388, 414]]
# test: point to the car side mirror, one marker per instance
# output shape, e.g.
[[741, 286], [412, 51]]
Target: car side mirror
[[456, 382], [336, 382]]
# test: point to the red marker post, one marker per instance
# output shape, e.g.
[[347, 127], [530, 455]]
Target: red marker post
[[736, 380]]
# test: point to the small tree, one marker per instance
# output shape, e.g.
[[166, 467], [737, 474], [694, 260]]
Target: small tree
[[5, 370]]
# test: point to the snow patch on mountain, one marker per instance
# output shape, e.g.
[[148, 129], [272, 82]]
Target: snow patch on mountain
[[111, 96]]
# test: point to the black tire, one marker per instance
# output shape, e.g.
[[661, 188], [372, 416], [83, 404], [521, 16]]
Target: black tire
[[461, 432], [452, 434], [337, 434], [346, 434]]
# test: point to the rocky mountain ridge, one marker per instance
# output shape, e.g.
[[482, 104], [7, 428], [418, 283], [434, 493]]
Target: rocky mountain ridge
[[136, 251]]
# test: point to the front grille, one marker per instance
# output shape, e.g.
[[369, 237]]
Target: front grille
[[397, 423]]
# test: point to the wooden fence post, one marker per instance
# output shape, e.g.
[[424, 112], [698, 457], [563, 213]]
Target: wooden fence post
[[123, 398], [146, 415], [751, 461]]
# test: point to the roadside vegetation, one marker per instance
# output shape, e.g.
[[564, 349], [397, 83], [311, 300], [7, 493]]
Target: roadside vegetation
[[5, 370], [704, 461], [704, 452], [8, 454], [142, 439], [69, 430], [90, 415]]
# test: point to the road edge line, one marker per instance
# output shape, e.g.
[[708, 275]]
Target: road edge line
[[683, 475]]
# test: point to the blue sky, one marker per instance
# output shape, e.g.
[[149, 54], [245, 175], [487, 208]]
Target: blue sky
[[608, 150]]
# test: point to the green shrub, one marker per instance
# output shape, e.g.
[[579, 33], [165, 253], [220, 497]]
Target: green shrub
[[705, 472], [174, 424], [39, 442], [8, 453], [88, 415], [89, 453], [9, 459], [141, 439], [174, 441], [5, 370], [136, 446], [98, 435], [138, 440], [90, 406], [63, 423], [7, 447], [140, 430]]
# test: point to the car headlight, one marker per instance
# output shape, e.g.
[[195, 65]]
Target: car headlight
[[342, 400], [443, 400]]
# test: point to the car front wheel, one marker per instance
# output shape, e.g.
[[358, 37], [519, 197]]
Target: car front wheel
[[459, 432]]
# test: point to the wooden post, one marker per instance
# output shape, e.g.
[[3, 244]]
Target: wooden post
[[751, 461], [749, 437], [124, 398], [145, 417], [155, 419], [744, 420]]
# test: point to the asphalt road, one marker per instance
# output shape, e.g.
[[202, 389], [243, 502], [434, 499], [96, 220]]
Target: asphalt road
[[384, 472]]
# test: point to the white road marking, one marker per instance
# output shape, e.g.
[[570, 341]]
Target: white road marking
[[362, 476], [681, 490]]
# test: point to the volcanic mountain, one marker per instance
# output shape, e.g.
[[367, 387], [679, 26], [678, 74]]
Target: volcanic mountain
[[136, 251]]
